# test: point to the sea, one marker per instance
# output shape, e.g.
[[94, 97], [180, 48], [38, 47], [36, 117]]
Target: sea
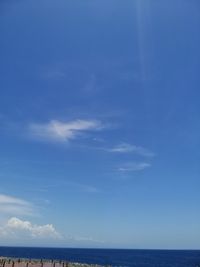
[[113, 257]]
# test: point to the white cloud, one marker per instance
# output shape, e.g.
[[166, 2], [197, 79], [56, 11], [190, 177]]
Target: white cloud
[[134, 166], [128, 148], [19, 229], [62, 131], [15, 206]]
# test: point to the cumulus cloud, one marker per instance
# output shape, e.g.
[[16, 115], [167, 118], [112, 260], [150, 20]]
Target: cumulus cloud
[[15, 206], [62, 131], [128, 148], [19, 229], [134, 166]]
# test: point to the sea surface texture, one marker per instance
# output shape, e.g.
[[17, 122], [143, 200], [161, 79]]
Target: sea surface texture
[[113, 257]]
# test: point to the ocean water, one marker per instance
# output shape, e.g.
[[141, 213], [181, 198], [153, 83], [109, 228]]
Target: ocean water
[[114, 257]]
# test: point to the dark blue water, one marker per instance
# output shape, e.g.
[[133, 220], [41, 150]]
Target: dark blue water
[[114, 257]]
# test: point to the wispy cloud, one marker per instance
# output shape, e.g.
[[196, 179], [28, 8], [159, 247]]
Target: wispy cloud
[[58, 131], [134, 166], [5, 199], [74, 186], [15, 206], [128, 148], [19, 229]]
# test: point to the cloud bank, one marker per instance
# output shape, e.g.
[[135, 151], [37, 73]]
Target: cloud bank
[[19, 229], [21, 232]]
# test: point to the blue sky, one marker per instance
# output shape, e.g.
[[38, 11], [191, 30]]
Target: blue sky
[[99, 123]]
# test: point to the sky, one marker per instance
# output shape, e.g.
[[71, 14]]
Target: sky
[[99, 123]]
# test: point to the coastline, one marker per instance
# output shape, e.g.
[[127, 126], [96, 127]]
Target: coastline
[[25, 262]]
